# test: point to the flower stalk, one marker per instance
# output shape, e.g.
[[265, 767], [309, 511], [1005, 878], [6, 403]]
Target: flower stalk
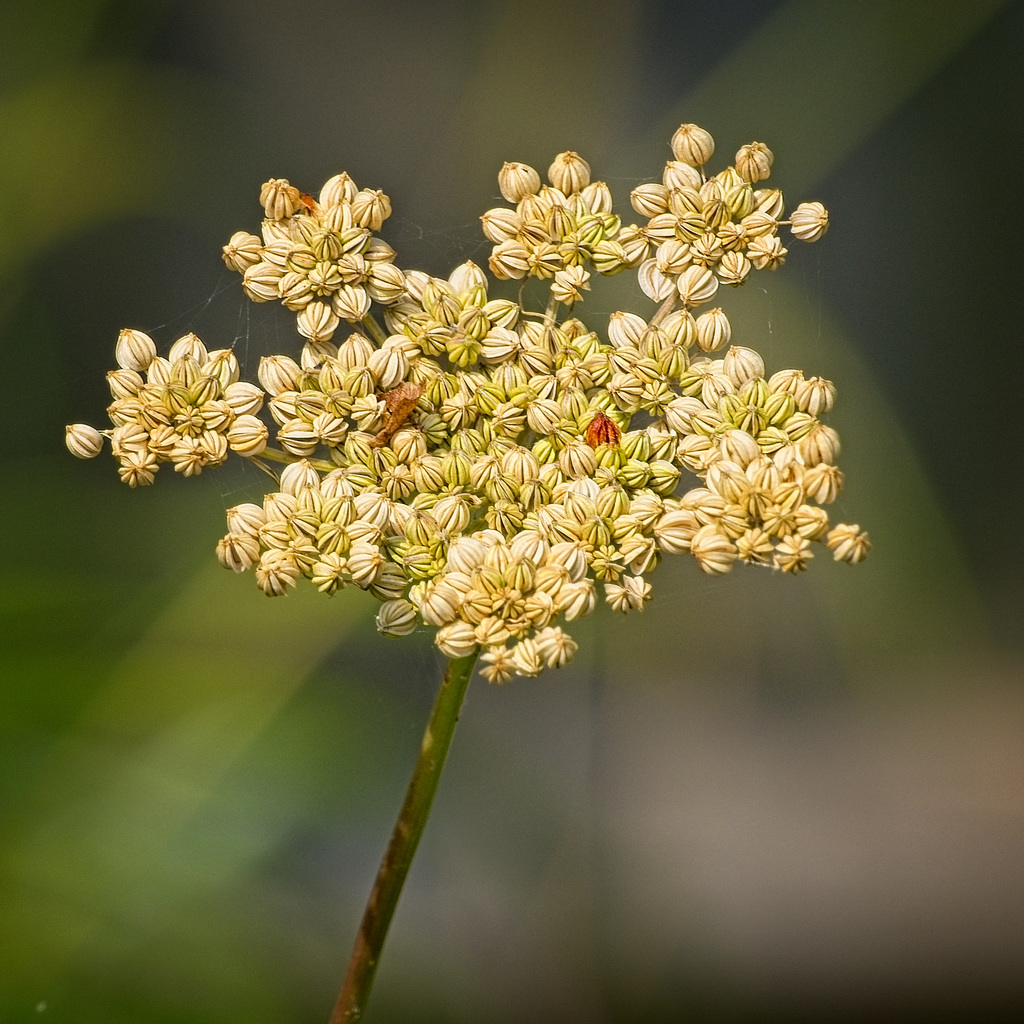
[[405, 837]]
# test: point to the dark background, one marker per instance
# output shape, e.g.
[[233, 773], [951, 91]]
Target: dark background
[[766, 798]]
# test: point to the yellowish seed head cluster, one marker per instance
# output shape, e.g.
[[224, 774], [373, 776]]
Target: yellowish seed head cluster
[[481, 469], [319, 257], [557, 230], [706, 231], [189, 409]]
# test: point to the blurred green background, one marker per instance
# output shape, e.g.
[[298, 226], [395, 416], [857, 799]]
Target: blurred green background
[[766, 798]]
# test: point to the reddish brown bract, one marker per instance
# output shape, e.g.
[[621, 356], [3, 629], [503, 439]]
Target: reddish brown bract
[[602, 430]]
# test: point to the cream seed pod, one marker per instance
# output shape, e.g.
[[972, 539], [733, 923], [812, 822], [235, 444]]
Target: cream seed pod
[[486, 468], [83, 441], [516, 181], [754, 161], [693, 145], [809, 221]]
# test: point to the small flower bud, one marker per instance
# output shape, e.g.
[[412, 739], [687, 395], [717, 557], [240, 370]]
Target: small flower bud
[[396, 618], [739, 447], [451, 514], [245, 519], [243, 398], [500, 667], [809, 221], [739, 199], [247, 436], [276, 571], [317, 322], [515, 181], [793, 553], [597, 198], [714, 552], [754, 161], [337, 190], [260, 281], [673, 257], [279, 199], [848, 544], [298, 438], [83, 441], [365, 563], [555, 646], [188, 346], [696, 285], [810, 521], [500, 224], [577, 460], [509, 260], [819, 444], [742, 364], [653, 283], [626, 329], [242, 251], [569, 285], [370, 208], [279, 373], [469, 282], [815, 395], [134, 350], [675, 530], [124, 383], [823, 482], [767, 252], [733, 269], [713, 330], [757, 224], [569, 173], [238, 552], [631, 595], [634, 244], [680, 175], [386, 283], [769, 201], [327, 574], [649, 200], [692, 145], [456, 639], [351, 302]]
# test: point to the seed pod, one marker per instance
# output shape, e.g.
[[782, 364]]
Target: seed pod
[[754, 161], [569, 173], [83, 441], [809, 221], [279, 199], [692, 145], [649, 200], [516, 180], [696, 286]]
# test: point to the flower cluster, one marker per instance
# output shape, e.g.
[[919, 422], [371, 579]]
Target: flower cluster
[[486, 470], [189, 409], [319, 258], [706, 231], [557, 230]]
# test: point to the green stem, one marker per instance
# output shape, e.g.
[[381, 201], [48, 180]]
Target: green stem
[[405, 837], [375, 329]]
